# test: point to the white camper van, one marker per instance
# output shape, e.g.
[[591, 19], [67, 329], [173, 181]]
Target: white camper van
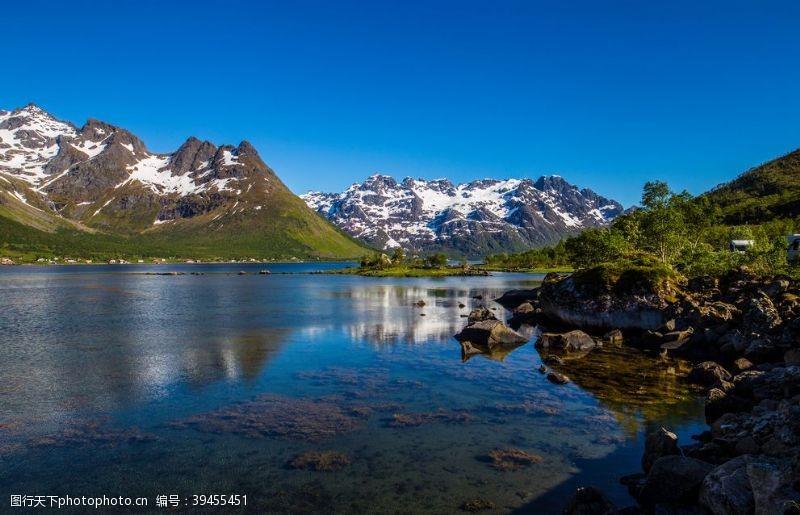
[[740, 245], [793, 251]]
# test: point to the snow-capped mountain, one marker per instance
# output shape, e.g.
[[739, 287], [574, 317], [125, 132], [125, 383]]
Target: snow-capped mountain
[[467, 219], [83, 172], [99, 176]]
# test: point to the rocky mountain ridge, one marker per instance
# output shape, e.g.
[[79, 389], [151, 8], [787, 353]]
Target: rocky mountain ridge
[[469, 219], [102, 177]]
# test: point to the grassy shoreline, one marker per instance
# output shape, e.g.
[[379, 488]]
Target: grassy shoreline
[[448, 271], [524, 270], [409, 271]]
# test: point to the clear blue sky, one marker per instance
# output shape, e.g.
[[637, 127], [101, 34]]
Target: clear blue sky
[[606, 94]]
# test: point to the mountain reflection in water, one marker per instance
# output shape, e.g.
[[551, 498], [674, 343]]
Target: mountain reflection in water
[[150, 384]]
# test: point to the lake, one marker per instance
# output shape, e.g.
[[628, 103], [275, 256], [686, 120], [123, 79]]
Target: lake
[[118, 383]]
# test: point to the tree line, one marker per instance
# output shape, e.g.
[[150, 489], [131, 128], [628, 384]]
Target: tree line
[[680, 230]]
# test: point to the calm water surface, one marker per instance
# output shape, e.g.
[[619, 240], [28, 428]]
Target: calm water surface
[[113, 382]]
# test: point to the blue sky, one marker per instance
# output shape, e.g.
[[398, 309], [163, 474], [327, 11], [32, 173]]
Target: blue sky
[[606, 94]]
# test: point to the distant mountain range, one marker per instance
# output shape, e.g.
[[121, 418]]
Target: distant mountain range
[[98, 190], [473, 219], [99, 180]]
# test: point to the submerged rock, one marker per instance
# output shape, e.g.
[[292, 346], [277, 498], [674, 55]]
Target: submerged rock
[[270, 416], [573, 341], [657, 445], [477, 505], [512, 459], [674, 479], [588, 500], [320, 461], [556, 378], [418, 419]]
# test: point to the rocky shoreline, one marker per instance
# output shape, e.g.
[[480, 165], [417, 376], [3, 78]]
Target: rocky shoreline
[[742, 335]]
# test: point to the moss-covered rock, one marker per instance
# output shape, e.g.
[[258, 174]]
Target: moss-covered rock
[[631, 293]]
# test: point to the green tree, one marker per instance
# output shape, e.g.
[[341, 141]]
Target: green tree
[[437, 260], [663, 226], [398, 255], [594, 246]]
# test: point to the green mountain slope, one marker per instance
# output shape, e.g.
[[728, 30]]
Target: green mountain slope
[[764, 193]]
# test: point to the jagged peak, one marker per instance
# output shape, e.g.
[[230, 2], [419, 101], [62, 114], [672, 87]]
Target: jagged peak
[[246, 148], [380, 181], [31, 108], [551, 181]]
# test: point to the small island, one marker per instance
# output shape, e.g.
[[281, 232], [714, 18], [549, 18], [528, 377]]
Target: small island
[[398, 265]]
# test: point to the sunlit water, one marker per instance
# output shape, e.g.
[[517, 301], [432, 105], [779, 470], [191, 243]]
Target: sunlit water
[[113, 382]]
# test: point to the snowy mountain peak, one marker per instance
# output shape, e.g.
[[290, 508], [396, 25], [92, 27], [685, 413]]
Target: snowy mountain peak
[[487, 215], [73, 169]]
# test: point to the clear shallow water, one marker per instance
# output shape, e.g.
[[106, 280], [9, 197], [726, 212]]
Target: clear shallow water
[[113, 382]]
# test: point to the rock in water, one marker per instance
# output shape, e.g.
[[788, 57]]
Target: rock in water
[[634, 294], [708, 373], [614, 337], [659, 444], [589, 500], [673, 479], [524, 309], [514, 298], [573, 341], [556, 378], [479, 315], [477, 505], [490, 333], [321, 461]]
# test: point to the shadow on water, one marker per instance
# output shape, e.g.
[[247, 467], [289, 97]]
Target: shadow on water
[[593, 472]]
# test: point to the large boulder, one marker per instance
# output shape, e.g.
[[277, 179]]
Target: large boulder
[[631, 294], [673, 479], [657, 445], [573, 341], [760, 316], [490, 333], [726, 489], [749, 484], [771, 483]]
